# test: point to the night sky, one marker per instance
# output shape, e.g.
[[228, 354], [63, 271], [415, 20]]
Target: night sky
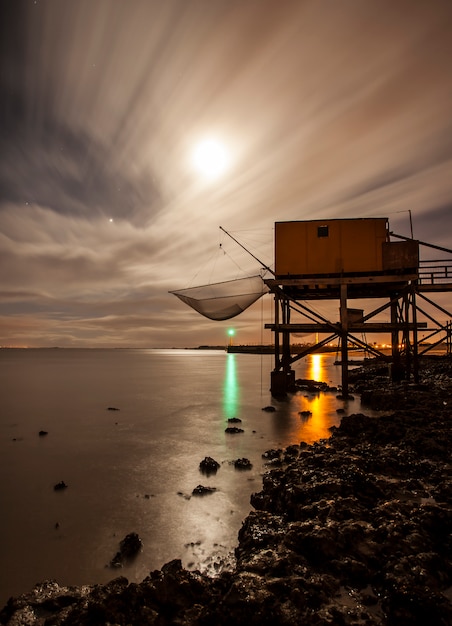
[[324, 108]]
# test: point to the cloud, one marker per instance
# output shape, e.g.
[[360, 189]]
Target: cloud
[[72, 173], [329, 109]]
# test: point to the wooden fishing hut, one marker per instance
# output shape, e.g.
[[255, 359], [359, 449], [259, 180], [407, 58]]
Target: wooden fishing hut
[[345, 260]]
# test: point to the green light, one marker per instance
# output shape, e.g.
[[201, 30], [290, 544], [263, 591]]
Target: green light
[[231, 332], [231, 389]]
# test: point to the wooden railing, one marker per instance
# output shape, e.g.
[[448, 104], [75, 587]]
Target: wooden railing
[[435, 272]]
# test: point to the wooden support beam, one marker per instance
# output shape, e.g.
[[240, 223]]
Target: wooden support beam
[[369, 327]]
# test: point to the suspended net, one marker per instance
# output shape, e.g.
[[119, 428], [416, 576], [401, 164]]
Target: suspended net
[[222, 301]]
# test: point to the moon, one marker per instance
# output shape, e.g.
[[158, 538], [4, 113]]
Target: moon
[[211, 158]]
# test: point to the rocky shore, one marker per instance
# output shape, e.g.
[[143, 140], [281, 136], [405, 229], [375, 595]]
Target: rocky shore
[[353, 530]]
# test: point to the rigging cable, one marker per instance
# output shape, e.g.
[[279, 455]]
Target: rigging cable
[[207, 263], [233, 261]]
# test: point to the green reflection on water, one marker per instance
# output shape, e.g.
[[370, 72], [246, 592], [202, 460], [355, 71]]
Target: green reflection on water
[[231, 389]]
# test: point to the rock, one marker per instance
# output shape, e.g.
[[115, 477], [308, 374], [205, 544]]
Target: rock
[[112, 408], [269, 409], [242, 464], [200, 490], [312, 386], [233, 430], [305, 413], [43, 433], [272, 454], [129, 547], [234, 420], [60, 486], [209, 466]]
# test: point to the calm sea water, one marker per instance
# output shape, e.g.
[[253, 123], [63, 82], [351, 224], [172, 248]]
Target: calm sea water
[[133, 470]]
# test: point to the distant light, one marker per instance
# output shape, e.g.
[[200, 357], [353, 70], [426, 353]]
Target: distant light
[[211, 158], [111, 220], [231, 332]]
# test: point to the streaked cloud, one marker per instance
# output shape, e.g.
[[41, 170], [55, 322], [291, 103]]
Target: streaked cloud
[[330, 109]]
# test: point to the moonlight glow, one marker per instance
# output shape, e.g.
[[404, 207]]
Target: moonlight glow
[[211, 158]]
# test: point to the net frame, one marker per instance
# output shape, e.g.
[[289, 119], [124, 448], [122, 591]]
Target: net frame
[[223, 300]]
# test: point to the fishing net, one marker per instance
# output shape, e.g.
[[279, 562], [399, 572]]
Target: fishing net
[[222, 301]]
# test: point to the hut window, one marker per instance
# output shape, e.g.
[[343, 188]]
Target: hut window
[[322, 231]]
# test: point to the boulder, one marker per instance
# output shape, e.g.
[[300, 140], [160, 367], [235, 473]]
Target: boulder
[[209, 466], [129, 547], [60, 486]]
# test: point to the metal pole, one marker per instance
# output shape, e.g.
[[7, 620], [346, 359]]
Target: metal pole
[[246, 250], [415, 337], [277, 361], [344, 340], [423, 243], [395, 350]]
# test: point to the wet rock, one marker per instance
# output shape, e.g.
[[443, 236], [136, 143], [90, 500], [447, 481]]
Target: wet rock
[[201, 490], [242, 464], [233, 430], [234, 420], [272, 454], [292, 451], [209, 466], [312, 386], [60, 486], [129, 547], [305, 413], [269, 409]]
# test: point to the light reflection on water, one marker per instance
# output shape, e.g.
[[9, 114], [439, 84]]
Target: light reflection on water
[[315, 370], [322, 406], [174, 406], [231, 388]]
